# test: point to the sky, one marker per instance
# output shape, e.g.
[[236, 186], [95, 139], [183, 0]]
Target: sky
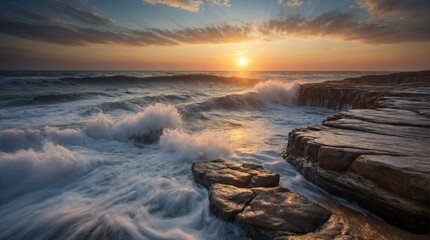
[[217, 35]]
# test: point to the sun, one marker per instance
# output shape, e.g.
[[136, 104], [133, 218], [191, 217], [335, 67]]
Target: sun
[[242, 61]]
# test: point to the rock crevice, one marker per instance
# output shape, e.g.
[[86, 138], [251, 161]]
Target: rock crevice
[[260, 206]]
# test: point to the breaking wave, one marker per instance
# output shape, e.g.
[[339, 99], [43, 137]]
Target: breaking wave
[[278, 92], [145, 126], [248, 101], [135, 104], [271, 91]]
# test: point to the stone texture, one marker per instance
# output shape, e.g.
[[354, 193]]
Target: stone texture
[[408, 176], [377, 157], [226, 201], [335, 228], [250, 195], [282, 210], [237, 174], [395, 91], [277, 213]]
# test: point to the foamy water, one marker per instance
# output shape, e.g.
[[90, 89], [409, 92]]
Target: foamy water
[[111, 158]]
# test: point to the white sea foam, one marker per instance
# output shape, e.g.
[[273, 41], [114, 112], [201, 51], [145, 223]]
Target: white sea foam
[[202, 145], [152, 120], [27, 170], [277, 91], [67, 136]]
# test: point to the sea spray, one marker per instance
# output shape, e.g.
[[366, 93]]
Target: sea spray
[[274, 91], [27, 170], [202, 145], [150, 121], [271, 91]]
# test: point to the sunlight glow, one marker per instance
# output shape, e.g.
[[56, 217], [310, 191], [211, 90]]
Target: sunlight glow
[[242, 61]]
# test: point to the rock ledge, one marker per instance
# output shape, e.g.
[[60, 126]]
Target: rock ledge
[[377, 157], [250, 195]]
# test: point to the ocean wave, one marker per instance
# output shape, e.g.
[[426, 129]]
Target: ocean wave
[[28, 170], [271, 91], [135, 104], [57, 98], [166, 98], [202, 145], [180, 78], [112, 106], [145, 126], [279, 92], [248, 101], [12, 140]]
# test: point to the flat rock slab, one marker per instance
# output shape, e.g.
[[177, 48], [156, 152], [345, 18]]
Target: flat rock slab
[[378, 157], [276, 209], [226, 201], [244, 175], [250, 195], [280, 209]]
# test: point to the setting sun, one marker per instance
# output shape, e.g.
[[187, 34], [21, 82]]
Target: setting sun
[[243, 61]]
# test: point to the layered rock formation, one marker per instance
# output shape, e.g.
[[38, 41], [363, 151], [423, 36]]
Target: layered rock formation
[[376, 154], [250, 195]]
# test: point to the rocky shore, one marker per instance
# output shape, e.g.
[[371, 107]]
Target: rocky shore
[[377, 153], [250, 195]]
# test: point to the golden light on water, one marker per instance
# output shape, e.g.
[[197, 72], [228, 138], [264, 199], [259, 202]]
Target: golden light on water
[[248, 135]]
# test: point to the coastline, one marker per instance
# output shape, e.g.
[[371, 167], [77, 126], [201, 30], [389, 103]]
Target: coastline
[[373, 154]]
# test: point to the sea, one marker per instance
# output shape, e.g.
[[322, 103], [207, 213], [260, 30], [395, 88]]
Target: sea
[[108, 154]]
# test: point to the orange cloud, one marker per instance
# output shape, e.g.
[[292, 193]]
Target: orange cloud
[[189, 5]]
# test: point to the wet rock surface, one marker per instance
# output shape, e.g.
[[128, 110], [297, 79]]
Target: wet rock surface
[[283, 210], [266, 211], [377, 157], [236, 174]]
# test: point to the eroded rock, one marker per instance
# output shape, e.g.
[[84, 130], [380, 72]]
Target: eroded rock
[[408, 176], [250, 195], [279, 209], [226, 201], [237, 174], [377, 157]]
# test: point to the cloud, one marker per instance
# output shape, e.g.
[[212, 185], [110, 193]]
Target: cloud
[[220, 2], [189, 5], [292, 3], [81, 15], [27, 14], [330, 25], [401, 8], [71, 35], [345, 26], [210, 34]]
